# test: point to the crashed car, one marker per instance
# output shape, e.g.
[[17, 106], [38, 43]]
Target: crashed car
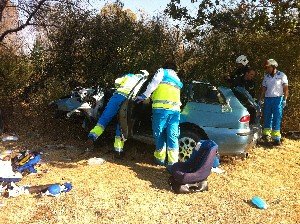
[[207, 112]]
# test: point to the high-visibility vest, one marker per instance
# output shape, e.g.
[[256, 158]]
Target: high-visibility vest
[[167, 94], [126, 83]]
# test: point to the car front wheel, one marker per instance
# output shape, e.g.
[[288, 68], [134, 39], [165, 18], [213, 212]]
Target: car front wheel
[[187, 141]]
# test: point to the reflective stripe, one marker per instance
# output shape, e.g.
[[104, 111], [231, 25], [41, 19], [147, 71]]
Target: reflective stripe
[[165, 106], [173, 155], [267, 131], [97, 131], [119, 144], [276, 133], [167, 102], [160, 155]]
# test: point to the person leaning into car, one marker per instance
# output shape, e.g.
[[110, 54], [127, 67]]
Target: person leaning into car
[[124, 86], [165, 89], [274, 94]]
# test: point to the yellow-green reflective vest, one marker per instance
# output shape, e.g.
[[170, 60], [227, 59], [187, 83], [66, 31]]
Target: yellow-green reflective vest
[[167, 94], [126, 83]]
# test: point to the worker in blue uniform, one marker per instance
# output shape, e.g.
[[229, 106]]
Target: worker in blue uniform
[[274, 96], [124, 85], [165, 89]]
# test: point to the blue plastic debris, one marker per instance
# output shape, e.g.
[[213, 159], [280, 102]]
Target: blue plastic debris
[[259, 203], [57, 189]]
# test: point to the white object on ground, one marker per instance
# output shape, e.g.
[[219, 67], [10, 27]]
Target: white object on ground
[[96, 161], [6, 171], [9, 138], [217, 170], [17, 190]]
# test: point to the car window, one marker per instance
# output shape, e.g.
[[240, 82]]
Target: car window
[[205, 93]]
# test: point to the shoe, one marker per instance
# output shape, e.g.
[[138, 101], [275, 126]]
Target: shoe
[[266, 138], [169, 168], [277, 142], [159, 162], [119, 155]]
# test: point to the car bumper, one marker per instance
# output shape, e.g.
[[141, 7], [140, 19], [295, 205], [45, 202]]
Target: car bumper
[[231, 141]]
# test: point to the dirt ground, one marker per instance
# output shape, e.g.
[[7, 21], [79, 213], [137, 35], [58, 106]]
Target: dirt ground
[[134, 190]]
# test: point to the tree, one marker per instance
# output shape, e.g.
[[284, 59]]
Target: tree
[[221, 30], [233, 16], [31, 13]]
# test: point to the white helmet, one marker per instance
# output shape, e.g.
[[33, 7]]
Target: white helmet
[[271, 62], [242, 59]]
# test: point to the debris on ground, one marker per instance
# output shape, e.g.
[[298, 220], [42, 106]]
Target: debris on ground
[[9, 138], [96, 161], [26, 161], [13, 190], [259, 203]]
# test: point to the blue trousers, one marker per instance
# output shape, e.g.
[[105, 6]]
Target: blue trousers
[[273, 116], [111, 110], [165, 126]]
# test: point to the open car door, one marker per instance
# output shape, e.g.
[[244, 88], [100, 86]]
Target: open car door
[[124, 112]]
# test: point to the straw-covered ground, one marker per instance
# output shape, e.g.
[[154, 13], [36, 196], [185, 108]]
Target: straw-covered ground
[[134, 190]]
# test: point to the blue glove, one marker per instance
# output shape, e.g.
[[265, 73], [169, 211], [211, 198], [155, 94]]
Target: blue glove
[[283, 103], [140, 98]]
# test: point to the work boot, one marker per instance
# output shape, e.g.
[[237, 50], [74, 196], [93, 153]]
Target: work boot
[[277, 142], [119, 155], [266, 138]]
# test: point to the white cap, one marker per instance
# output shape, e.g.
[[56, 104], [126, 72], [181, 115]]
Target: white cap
[[242, 59]]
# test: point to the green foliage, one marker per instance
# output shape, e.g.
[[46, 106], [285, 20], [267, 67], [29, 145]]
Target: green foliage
[[259, 29], [15, 72], [88, 50], [82, 48]]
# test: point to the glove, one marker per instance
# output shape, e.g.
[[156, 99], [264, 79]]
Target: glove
[[140, 98], [283, 104]]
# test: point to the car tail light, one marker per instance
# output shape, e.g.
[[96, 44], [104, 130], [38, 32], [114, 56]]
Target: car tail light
[[245, 119]]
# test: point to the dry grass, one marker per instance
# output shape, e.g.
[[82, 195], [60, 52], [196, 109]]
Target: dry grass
[[134, 190]]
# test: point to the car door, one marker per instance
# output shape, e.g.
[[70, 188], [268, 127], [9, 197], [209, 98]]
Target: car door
[[126, 108]]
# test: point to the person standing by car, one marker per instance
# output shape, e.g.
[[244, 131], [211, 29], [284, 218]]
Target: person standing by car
[[242, 67], [165, 89], [246, 81], [124, 86], [274, 94]]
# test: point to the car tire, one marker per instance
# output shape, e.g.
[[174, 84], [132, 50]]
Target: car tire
[[187, 141], [1, 123]]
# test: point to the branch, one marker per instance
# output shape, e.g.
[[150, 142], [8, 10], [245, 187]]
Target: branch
[[32, 14]]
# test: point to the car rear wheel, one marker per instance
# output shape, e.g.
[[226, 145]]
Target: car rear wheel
[[187, 141]]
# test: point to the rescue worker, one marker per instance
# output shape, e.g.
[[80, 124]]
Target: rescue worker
[[242, 67], [124, 85], [165, 89], [246, 81], [274, 95]]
